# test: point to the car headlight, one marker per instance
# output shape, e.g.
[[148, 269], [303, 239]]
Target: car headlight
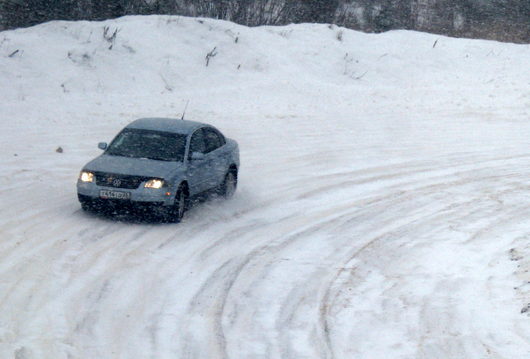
[[154, 183], [85, 176]]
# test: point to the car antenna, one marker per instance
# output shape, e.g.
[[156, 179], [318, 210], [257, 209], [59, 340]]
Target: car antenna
[[185, 108]]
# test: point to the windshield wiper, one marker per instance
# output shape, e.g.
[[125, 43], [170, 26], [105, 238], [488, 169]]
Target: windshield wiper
[[160, 159], [118, 154]]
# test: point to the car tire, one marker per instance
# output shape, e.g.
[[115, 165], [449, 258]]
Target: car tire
[[86, 207], [86, 204], [229, 185], [176, 212]]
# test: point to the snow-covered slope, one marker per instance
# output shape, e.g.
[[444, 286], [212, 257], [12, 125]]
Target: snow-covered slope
[[382, 209]]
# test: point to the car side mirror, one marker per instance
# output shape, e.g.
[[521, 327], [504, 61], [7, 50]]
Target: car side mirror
[[197, 156], [102, 145]]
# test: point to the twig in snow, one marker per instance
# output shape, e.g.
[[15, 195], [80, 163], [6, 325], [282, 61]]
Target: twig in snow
[[233, 35], [360, 77], [13, 53], [110, 38], [348, 59], [88, 39], [211, 54], [129, 48], [525, 309], [285, 33], [434, 45], [167, 85]]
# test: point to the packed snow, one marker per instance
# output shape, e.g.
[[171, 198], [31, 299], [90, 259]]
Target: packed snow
[[383, 207]]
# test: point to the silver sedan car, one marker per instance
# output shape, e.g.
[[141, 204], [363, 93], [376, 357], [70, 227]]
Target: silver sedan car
[[157, 165]]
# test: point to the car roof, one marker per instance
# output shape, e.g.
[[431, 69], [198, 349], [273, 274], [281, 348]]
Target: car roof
[[166, 125]]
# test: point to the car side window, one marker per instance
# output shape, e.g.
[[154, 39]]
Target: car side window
[[213, 140], [197, 142]]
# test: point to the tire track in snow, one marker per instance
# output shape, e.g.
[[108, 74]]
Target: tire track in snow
[[430, 187], [218, 294], [429, 224]]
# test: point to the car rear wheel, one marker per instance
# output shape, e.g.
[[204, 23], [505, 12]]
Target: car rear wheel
[[229, 186]]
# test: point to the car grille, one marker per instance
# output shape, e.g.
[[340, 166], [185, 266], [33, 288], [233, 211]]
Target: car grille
[[118, 181]]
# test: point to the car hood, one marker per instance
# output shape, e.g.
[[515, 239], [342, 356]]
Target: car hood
[[133, 166]]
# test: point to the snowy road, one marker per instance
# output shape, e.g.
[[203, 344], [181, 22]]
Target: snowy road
[[361, 229]]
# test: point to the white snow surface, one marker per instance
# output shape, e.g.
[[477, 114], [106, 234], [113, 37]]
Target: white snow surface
[[383, 207]]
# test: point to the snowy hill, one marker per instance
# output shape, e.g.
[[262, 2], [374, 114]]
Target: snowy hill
[[382, 208]]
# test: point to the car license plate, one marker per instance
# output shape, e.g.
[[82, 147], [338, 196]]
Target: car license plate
[[108, 194]]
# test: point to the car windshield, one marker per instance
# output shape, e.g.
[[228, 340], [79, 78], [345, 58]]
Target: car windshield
[[155, 145]]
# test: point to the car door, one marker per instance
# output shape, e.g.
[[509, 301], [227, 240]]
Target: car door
[[198, 169], [217, 160]]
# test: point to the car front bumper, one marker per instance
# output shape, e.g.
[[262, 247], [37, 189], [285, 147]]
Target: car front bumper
[[141, 196]]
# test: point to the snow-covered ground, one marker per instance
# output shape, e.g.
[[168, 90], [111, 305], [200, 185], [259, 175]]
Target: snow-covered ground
[[383, 208]]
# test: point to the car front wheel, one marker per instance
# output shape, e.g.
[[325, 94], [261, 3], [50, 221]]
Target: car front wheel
[[176, 212], [87, 204]]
